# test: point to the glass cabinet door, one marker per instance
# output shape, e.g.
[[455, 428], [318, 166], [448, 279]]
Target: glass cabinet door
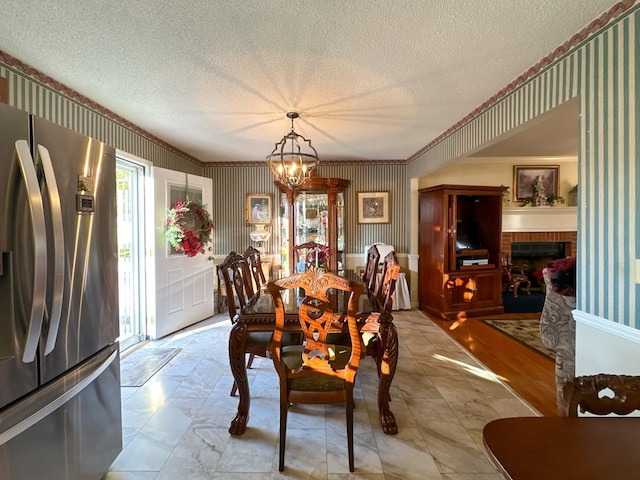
[[283, 230], [313, 213], [312, 218]]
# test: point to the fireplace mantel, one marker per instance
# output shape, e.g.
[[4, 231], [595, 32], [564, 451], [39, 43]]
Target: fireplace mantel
[[540, 219]]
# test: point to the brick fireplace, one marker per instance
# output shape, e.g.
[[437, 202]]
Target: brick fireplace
[[570, 238], [539, 249]]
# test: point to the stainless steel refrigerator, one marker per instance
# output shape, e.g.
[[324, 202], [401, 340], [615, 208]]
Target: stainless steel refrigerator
[[60, 408]]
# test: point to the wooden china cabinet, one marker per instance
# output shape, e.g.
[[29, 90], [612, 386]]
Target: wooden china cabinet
[[460, 237], [313, 212]]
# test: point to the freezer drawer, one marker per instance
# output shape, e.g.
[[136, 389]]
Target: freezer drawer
[[69, 429]]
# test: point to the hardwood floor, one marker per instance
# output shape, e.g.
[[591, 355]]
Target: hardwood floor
[[528, 373]]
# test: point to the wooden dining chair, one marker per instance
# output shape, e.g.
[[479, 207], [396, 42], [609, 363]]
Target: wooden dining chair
[[240, 266], [254, 263], [234, 271], [382, 303], [232, 274], [513, 276], [390, 271], [316, 372], [371, 268], [303, 256]]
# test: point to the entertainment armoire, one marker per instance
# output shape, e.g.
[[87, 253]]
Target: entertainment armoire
[[459, 244]]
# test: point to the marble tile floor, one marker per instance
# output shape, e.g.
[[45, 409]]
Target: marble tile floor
[[175, 425]]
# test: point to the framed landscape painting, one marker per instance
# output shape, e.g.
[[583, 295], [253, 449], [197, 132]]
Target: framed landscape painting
[[531, 181], [373, 207]]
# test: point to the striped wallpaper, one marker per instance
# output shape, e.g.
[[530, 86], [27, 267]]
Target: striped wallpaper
[[599, 68], [231, 184], [601, 72], [28, 93]]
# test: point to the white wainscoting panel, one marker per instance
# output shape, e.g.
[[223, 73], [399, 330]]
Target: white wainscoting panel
[[604, 346]]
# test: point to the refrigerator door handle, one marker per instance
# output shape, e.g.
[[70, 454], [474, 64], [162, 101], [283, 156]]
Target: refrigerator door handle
[[59, 393], [28, 170], [58, 248]]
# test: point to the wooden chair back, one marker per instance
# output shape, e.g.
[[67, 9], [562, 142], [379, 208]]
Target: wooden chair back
[[303, 252], [316, 372], [387, 288], [602, 394], [254, 264], [384, 249], [233, 271], [371, 268], [513, 276]]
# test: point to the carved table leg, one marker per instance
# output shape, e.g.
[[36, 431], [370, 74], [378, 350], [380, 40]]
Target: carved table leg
[[237, 343], [388, 362]]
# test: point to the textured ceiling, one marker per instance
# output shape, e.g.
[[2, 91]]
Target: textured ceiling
[[372, 80]]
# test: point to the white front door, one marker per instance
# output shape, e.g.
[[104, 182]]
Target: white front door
[[184, 285]]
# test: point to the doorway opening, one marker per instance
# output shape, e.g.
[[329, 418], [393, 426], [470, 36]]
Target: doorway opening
[[130, 177]]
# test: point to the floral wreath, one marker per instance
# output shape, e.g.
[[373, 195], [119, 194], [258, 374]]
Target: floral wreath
[[189, 226]]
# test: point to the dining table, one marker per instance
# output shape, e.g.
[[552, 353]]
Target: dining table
[[585, 448], [259, 316]]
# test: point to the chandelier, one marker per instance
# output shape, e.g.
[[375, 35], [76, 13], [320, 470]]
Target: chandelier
[[289, 164]]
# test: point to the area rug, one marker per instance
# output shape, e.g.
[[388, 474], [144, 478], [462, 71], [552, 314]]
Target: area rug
[[139, 366], [524, 331]]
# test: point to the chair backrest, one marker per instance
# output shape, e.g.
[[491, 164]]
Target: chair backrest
[[316, 314], [254, 263], [510, 270], [371, 267], [306, 253], [602, 394], [387, 288], [383, 248], [233, 272]]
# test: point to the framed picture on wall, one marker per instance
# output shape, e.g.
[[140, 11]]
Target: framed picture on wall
[[374, 207], [259, 208], [534, 181]]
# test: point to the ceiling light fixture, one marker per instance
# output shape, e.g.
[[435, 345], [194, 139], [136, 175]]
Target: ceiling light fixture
[[289, 164]]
